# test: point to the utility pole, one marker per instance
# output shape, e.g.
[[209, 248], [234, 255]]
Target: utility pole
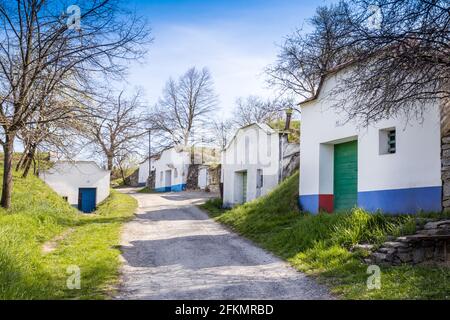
[[202, 150], [149, 155]]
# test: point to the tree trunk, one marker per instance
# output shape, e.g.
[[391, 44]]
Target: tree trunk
[[110, 163], [186, 137], [122, 173], [29, 162], [22, 158], [445, 153], [7, 171], [27, 159], [27, 168], [36, 166]]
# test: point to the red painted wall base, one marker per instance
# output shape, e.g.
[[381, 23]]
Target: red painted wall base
[[326, 202]]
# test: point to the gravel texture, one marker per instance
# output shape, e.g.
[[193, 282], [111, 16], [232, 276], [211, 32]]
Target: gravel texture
[[173, 250]]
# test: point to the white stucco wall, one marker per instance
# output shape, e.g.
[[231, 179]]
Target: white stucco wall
[[262, 152], [175, 162], [416, 162], [203, 177], [143, 170], [67, 177]]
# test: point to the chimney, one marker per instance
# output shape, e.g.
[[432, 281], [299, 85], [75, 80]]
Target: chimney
[[288, 119]]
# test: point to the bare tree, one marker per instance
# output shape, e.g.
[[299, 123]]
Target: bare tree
[[43, 52], [117, 132], [254, 109], [184, 106], [305, 57], [404, 61], [398, 50], [399, 63], [220, 132], [51, 128]]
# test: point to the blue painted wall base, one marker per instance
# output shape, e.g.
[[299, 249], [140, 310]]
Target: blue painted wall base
[[174, 188], [309, 203], [411, 200]]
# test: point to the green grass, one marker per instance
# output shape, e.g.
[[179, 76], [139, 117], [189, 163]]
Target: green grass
[[37, 216], [213, 207], [117, 183], [319, 244], [146, 190]]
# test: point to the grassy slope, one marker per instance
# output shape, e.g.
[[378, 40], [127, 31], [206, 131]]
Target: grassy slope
[[38, 215], [318, 245]]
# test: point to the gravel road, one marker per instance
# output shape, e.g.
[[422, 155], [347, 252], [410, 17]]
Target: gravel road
[[173, 250]]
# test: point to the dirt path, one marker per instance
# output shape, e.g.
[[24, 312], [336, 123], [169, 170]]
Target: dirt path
[[172, 250]]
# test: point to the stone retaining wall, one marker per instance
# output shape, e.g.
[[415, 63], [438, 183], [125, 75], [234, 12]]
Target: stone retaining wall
[[214, 179], [445, 154], [430, 243], [133, 179], [192, 177], [151, 181], [446, 173]]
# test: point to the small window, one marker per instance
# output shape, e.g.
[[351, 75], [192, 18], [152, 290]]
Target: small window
[[388, 141], [161, 176], [175, 173], [259, 178], [391, 141]]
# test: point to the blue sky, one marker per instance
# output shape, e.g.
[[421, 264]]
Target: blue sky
[[236, 40]]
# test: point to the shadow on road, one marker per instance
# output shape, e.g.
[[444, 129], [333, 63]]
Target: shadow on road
[[170, 215], [190, 252]]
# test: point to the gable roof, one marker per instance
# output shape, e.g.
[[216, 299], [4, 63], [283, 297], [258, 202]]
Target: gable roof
[[352, 61], [266, 128], [324, 76], [74, 163], [179, 149]]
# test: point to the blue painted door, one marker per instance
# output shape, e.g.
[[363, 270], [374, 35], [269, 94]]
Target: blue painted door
[[86, 199]]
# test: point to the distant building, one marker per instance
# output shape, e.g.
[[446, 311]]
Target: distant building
[[178, 168], [209, 178], [203, 177], [255, 161], [82, 183], [143, 172], [393, 165]]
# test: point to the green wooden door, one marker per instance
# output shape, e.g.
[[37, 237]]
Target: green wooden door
[[345, 175], [244, 187]]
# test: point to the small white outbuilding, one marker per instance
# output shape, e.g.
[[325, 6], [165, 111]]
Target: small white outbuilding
[[393, 165], [82, 183], [254, 162]]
